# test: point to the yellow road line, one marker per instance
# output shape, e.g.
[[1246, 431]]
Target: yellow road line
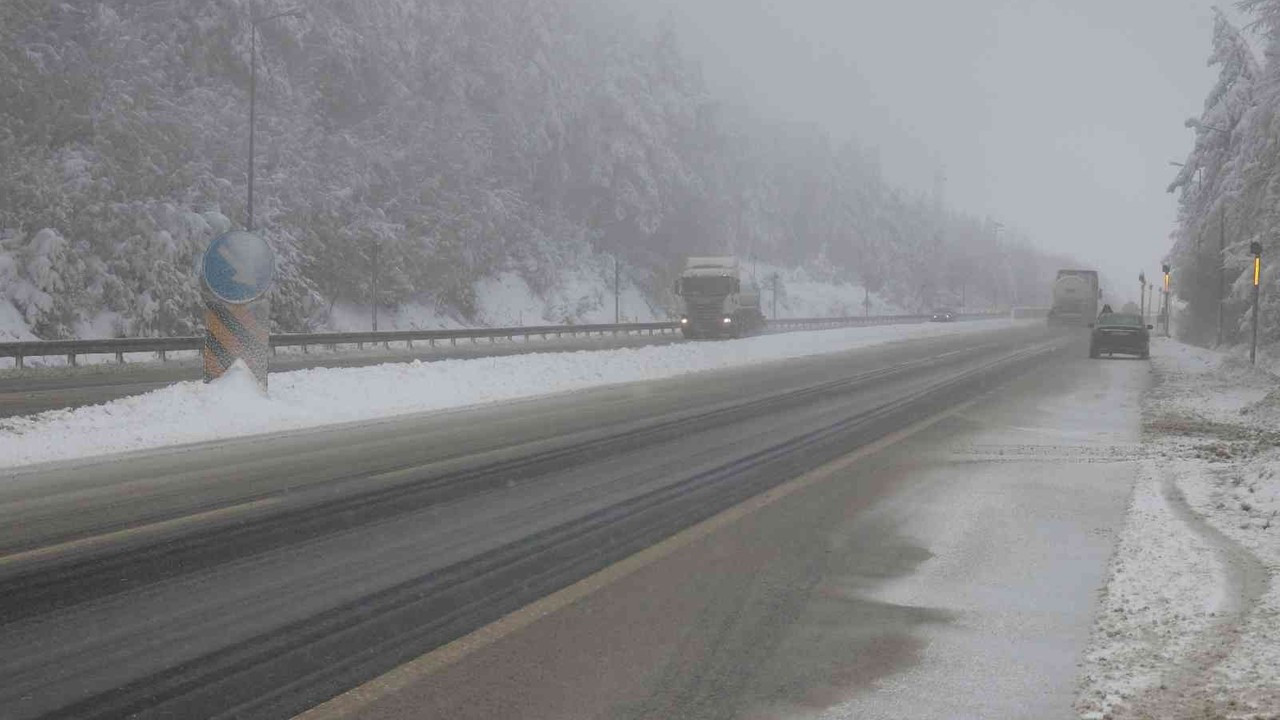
[[97, 542], [350, 703]]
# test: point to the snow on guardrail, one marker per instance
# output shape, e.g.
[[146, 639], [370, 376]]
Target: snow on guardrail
[[20, 351], [190, 412]]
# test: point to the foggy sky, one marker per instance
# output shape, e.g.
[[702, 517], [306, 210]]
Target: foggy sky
[[1058, 117]]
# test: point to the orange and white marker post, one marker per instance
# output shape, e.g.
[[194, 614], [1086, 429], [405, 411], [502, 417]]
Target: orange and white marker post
[[236, 332], [236, 273]]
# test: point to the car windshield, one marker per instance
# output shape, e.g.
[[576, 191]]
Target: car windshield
[[1120, 320]]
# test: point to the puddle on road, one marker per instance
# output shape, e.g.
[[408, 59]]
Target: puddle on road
[[799, 639]]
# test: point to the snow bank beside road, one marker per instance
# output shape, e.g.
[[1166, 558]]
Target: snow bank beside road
[[1191, 614], [1164, 592], [193, 412]]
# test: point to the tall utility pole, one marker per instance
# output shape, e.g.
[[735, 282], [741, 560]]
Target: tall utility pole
[[995, 287], [253, 110], [1256, 247], [1228, 133], [253, 95], [1142, 296], [374, 290], [617, 293], [1222, 271], [775, 296]]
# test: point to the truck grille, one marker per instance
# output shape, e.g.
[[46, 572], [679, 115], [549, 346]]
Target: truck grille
[[706, 313]]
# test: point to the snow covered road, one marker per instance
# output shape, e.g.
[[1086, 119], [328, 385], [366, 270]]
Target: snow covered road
[[190, 412]]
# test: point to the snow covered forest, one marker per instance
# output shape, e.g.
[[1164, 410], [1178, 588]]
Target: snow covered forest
[[467, 140], [1229, 186]]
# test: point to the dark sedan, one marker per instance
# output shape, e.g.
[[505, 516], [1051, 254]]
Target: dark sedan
[[1121, 333], [943, 315]]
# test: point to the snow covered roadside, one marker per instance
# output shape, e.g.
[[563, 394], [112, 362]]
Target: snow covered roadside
[[1189, 624], [190, 412]]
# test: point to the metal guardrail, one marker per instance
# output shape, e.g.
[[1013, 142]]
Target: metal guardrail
[[162, 346], [72, 349], [1029, 313], [865, 321]]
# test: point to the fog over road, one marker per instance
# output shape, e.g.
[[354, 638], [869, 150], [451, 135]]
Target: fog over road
[[264, 576]]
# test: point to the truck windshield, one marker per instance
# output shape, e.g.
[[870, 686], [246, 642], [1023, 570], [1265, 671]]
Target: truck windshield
[[708, 286]]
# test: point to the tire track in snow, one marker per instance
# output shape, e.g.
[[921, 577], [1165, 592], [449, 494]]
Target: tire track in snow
[[1184, 693]]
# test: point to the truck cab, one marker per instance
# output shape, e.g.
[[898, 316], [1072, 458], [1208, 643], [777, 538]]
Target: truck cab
[[715, 300]]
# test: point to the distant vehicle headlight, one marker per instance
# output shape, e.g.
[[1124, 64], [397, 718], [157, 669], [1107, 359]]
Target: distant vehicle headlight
[[728, 320], [684, 321]]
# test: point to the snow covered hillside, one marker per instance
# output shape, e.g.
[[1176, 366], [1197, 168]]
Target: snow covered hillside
[[585, 295], [497, 155], [577, 295]]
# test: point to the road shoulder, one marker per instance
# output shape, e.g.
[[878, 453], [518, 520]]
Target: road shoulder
[[1187, 622]]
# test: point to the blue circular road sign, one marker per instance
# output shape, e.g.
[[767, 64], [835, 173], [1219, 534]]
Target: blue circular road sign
[[238, 267]]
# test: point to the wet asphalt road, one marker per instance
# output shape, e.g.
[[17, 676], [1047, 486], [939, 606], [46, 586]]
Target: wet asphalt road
[[262, 576], [951, 575]]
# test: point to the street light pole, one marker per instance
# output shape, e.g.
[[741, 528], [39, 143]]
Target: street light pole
[[374, 283], [253, 95], [1142, 296], [253, 109]]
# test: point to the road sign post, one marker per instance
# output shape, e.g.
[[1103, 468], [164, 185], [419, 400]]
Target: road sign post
[[236, 273], [1256, 248]]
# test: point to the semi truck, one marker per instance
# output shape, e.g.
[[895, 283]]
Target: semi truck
[[1076, 295], [715, 301]]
